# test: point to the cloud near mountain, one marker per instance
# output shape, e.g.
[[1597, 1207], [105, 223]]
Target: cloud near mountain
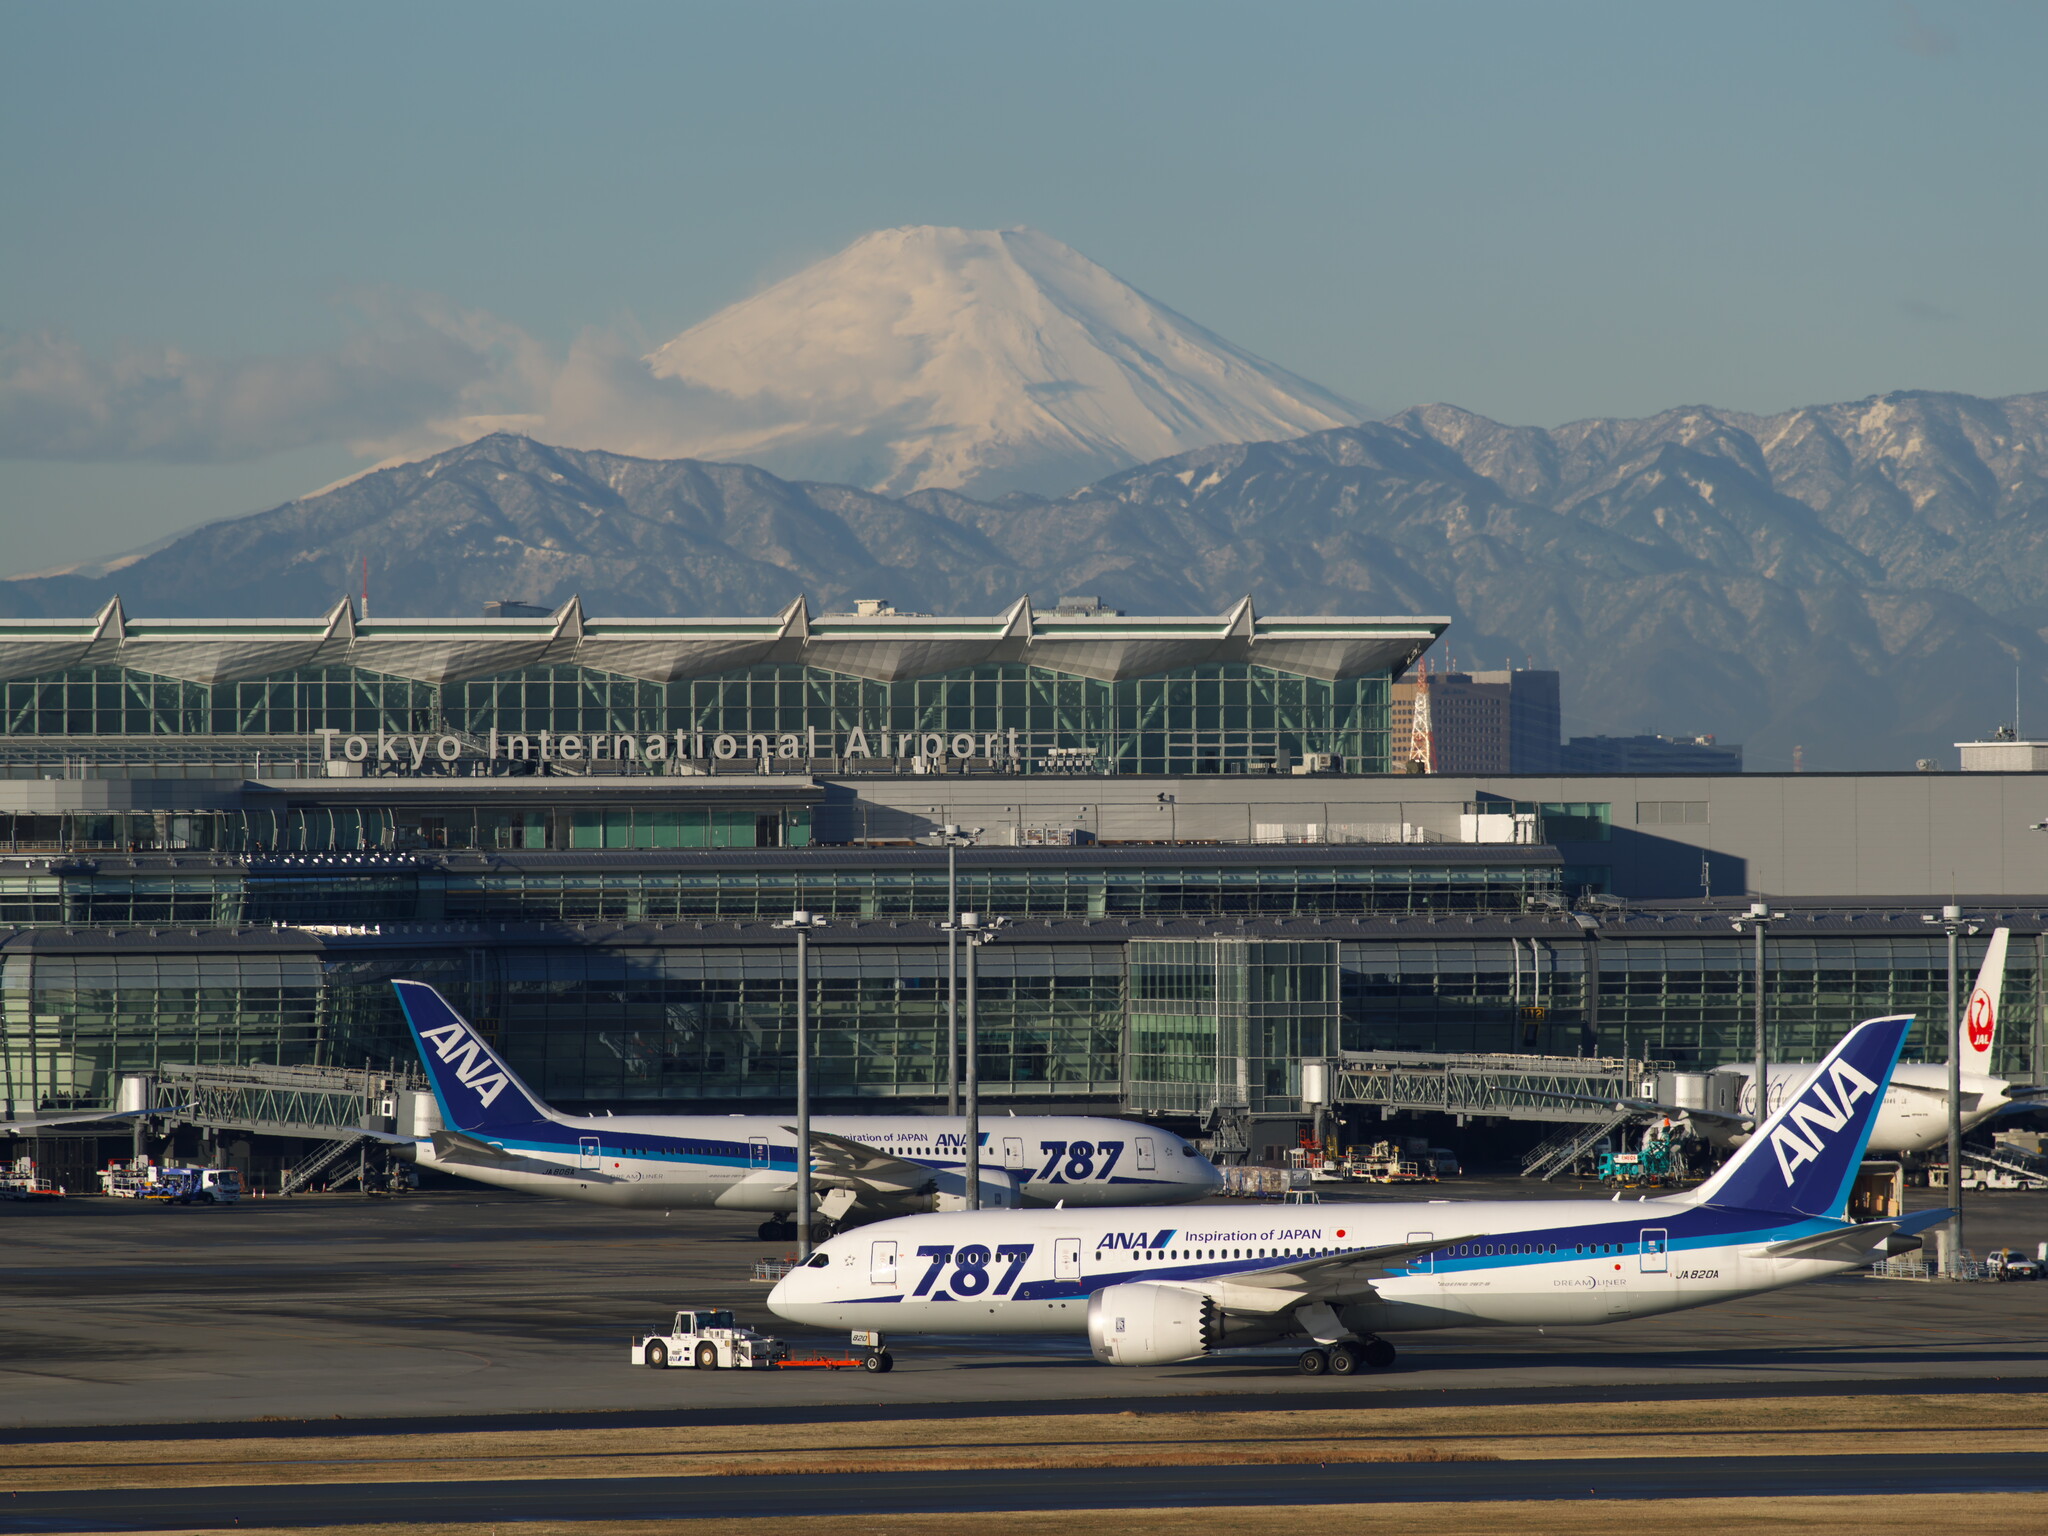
[[981, 360]]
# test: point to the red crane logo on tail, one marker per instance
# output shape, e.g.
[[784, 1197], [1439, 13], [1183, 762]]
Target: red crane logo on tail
[[1979, 1021]]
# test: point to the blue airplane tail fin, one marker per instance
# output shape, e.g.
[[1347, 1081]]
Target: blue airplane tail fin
[[1803, 1160], [472, 1084]]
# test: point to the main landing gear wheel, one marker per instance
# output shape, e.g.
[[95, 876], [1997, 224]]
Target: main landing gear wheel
[[1378, 1353], [707, 1357], [776, 1230], [879, 1361], [1313, 1362], [657, 1355], [1345, 1360]]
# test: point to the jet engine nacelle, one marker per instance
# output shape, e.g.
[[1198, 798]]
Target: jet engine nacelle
[[999, 1191], [1146, 1324]]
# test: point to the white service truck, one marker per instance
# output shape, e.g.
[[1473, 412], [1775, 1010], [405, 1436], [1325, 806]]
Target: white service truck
[[709, 1341]]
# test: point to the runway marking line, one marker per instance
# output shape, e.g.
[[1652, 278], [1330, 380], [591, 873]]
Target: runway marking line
[[1750, 1427]]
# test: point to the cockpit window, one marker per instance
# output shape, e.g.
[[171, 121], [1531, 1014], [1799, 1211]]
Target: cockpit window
[[818, 1261]]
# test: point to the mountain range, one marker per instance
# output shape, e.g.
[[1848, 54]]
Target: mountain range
[[1858, 579]]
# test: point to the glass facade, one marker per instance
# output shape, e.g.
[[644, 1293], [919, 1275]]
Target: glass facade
[[718, 1024], [1692, 1001], [1166, 1025], [828, 887], [1513, 995], [1215, 718], [321, 829], [1225, 1022], [72, 1025]]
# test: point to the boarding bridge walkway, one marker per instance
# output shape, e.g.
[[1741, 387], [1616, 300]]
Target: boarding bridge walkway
[[1578, 1090], [317, 1103], [331, 1107], [1580, 1095]]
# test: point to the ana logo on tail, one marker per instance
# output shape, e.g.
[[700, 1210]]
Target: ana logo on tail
[[1815, 1113], [472, 1064]]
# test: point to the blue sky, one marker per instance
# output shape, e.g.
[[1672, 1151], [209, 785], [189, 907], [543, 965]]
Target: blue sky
[[1538, 211]]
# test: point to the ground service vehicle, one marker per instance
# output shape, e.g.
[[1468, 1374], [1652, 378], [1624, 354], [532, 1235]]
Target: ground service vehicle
[[144, 1180], [709, 1340], [22, 1182], [2012, 1264], [1331, 1279]]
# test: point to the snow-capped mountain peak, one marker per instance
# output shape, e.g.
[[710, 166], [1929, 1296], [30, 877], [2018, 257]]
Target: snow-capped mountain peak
[[986, 360]]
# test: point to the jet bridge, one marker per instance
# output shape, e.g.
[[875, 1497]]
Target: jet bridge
[[1559, 1089], [334, 1108], [312, 1102], [1579, 1095]]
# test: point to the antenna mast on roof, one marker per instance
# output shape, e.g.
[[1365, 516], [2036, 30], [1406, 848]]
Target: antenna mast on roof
[[1421, 745], [366, 586]]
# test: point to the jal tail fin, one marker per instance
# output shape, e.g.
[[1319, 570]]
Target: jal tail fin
[[1980, 1017], [1804, 1159], [472, 1084]]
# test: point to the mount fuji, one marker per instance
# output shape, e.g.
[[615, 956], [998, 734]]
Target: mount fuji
[[983, 361]]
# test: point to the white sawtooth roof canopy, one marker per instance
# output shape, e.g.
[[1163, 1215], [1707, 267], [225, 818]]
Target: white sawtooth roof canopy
[[884, 646]]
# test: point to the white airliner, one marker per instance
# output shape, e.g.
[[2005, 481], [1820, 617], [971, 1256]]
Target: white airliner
[[1914, 1116], [496, 1130], [1338, 1277]]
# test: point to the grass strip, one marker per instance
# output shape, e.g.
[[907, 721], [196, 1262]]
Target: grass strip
[[1827, 1515], [1718, 1427]]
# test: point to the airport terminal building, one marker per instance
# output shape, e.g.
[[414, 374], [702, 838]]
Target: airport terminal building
[[219, 840]]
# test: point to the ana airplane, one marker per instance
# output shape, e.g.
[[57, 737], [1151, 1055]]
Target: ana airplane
[[497, 1131], [1338, 1278], [1914, 1116]]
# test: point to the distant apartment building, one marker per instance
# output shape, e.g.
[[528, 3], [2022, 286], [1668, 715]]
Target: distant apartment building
[[1649, 754], [1484, 722]]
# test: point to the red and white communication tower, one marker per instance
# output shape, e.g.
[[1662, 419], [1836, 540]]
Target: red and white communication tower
[[1421, 742]]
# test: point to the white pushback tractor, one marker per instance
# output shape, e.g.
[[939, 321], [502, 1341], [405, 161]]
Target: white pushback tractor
[[709, 1341]]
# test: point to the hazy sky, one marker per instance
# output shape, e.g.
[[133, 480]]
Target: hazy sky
[[1538, 211]]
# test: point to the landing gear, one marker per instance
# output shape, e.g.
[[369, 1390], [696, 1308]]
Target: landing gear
[[780, 1229], [1346, 1359], [881, 1360]]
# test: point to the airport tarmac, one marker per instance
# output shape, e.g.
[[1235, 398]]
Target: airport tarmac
[[480, 1304]]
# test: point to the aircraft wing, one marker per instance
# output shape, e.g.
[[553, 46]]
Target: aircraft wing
[[1847, 1244], [461, 1147], [37, 1122], [1970, 1100], [1843, 1245], [840, 1162], [1330, 1277]]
